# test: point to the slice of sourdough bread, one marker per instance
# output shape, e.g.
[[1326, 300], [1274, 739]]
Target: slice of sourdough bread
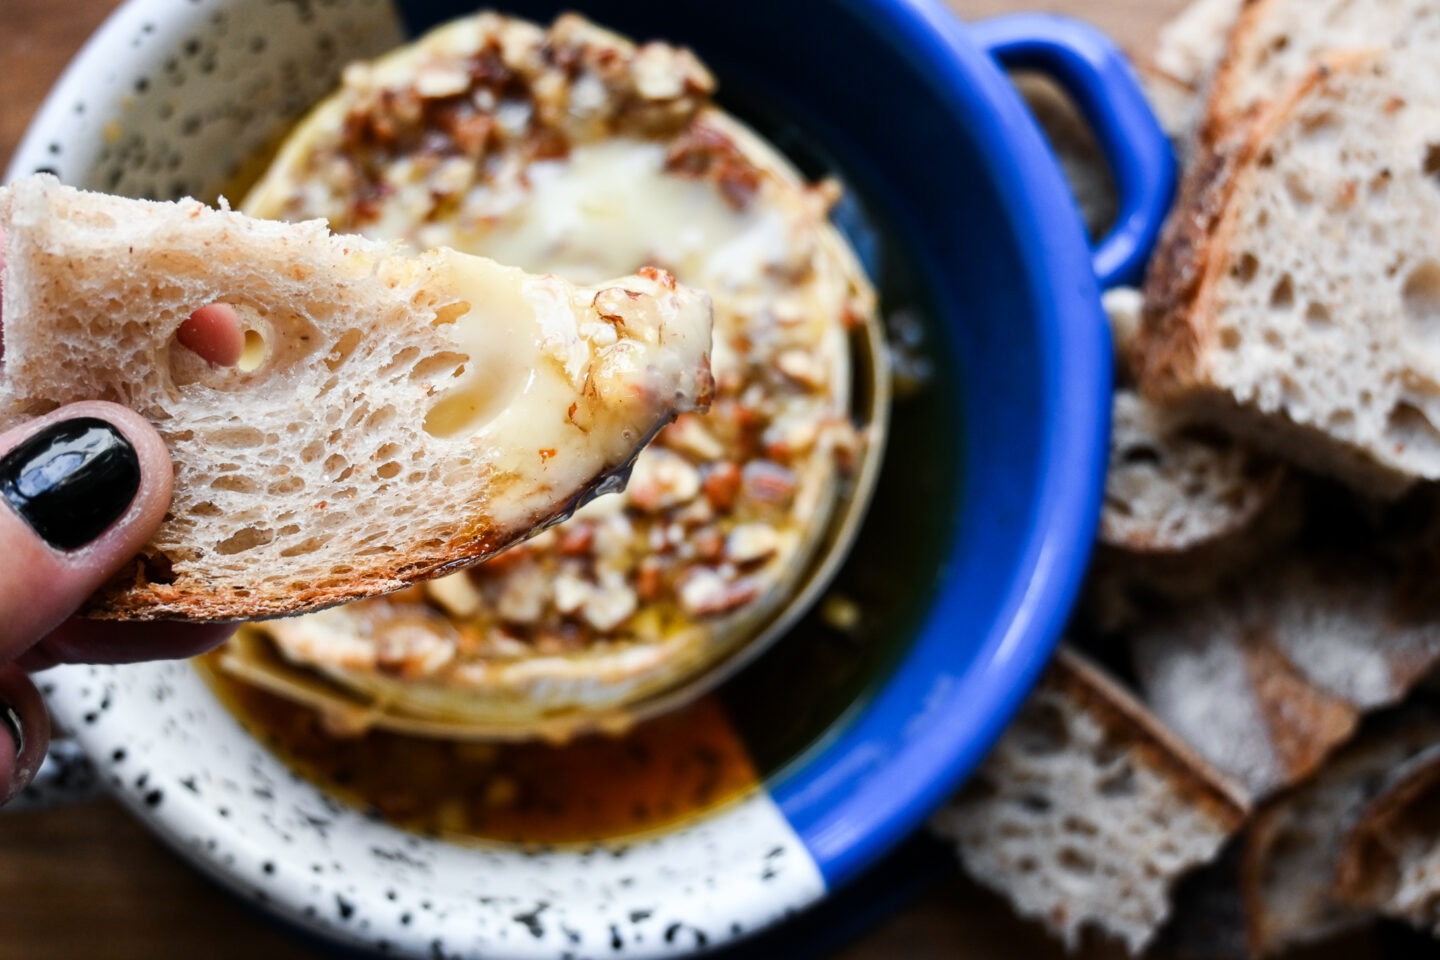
[[1267, 677], [1390, 858], [1088, 811], [1297, 846], [1276, 43], [401, 416], [1170, 488], [1295, 297]]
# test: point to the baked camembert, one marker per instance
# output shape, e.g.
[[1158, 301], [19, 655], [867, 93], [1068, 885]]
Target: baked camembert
[[572, 150]]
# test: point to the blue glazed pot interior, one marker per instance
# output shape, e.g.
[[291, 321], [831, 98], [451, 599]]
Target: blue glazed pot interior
[[939, 150]]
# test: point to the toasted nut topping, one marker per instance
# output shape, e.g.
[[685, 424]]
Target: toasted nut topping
[[457, 594], [768, 483], [705, 593], [751, 542], [610, 606], [522, 599], [722, 484], [662, 479]]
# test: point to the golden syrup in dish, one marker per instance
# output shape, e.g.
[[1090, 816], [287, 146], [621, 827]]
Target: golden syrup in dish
[[596, 788]]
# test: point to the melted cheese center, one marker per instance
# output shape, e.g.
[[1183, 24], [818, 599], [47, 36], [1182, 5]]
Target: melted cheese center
[[497, 329], [608, 208]]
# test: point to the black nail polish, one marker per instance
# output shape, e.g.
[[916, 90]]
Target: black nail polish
[[10, 720], [71, 481]]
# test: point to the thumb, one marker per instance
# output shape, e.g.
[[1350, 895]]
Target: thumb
[[81, 490]]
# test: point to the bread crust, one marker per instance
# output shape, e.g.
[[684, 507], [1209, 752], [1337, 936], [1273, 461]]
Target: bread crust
[[1087, 685], [1326, 821], [1218, 121], [132, 594]]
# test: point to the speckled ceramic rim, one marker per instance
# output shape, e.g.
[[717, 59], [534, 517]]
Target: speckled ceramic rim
[[187, 768]]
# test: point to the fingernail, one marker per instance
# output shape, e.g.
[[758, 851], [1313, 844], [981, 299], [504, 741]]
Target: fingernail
[[11, 719], [71, 481]]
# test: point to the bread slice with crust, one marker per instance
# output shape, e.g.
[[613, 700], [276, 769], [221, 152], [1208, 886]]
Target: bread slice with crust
[[1088, 811], [1171, 488], [1299, 846], [401, 417], [1389, 861], [1295, 296], [1266, 678]]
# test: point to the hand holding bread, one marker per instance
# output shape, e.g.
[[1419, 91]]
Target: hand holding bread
[[400, 417]]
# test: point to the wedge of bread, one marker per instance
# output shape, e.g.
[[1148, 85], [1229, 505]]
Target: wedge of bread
[[1126, 589], [1087, 811], [1295, 297], [1171, 488], [1297, 845], [401, 417], [1267, 677], [1390, 860]]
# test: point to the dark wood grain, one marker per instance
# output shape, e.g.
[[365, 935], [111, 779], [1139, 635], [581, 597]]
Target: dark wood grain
[[88, 882]]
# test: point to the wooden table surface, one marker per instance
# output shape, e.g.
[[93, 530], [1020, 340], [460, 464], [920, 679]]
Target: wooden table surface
[[88, 881]]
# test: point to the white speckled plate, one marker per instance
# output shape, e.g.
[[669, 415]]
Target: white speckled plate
[[176, 96], [182, 762], [172, 98]]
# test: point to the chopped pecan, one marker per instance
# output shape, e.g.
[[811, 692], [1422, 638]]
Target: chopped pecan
[[576, 539], [721, 483], [705, 593], [649, 579], [689, 434], [751, 543], [705, 153], [709, 544], [662, 479], [767, 482], [610, 606]]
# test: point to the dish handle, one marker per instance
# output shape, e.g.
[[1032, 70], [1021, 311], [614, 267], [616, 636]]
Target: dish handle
[[1097, 75]]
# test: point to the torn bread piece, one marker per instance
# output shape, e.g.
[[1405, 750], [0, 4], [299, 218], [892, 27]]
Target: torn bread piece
[[1299, 844], [1268, 676], [1390, 860], [1125, 588], [1088, 810], [1266, 314], [1172, 488], [399, 417]]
